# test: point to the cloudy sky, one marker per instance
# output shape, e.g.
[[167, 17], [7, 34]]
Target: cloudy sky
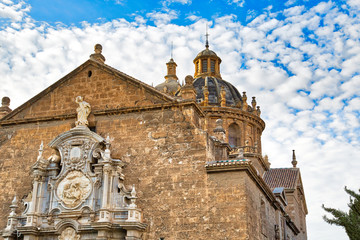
[[300, 58]]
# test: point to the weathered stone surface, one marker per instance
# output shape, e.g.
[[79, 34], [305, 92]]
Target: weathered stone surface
[[165, 145]]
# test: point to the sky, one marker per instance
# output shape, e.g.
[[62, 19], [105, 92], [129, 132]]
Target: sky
[[300, 58]]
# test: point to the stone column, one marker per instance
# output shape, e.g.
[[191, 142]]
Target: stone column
[[31, 218], [104, 213]]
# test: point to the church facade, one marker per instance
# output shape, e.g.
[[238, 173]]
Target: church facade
[[102, 155]]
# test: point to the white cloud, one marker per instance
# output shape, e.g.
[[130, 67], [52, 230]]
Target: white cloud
[[169, 2], [193, 17], [290, 2], [14, 12], [354, 3], [238, 3], [161, 18]]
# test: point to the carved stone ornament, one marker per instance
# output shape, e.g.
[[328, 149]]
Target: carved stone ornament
[[69, 234], [75, 156], [73, 189]]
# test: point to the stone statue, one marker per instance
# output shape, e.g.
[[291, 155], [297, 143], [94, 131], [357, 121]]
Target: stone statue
[[55, 157], [83, 111]]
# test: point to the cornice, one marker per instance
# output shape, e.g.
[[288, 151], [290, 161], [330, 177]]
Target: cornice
[[214, 111], [114, 111]]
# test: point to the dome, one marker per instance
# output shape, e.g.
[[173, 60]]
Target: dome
[[206, 53], [170, 86], [214, 86]]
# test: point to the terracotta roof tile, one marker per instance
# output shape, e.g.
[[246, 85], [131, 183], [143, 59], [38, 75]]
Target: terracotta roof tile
[[281, 177]]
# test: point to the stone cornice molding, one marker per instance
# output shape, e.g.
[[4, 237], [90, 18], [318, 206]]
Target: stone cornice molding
[[218, 112], [113, 111]]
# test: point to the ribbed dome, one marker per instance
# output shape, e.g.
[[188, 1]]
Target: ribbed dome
[[214, 86], [207, 53]]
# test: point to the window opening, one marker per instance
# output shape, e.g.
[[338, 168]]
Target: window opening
[[204, 65], [234, 135], [212, 65]]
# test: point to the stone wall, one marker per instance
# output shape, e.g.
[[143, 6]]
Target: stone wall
[[103, 89], [165, 154], [163, 145]]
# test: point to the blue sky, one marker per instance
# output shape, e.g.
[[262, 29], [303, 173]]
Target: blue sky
[[299, 58], [99, 11]]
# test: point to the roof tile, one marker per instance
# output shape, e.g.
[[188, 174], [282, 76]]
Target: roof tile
[[281, 177]]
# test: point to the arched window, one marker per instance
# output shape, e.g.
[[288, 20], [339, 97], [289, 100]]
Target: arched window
[[234, 135]]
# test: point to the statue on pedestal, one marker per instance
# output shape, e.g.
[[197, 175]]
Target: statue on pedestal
[[83, 112]]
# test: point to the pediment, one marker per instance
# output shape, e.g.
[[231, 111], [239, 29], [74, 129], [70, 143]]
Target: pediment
[[102, 86]]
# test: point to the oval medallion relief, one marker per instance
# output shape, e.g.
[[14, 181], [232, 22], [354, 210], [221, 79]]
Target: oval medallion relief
[[69, 234], [73, 189]]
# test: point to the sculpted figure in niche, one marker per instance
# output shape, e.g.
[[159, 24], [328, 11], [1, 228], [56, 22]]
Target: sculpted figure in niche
[[69, 234], [83, 111], [55, 157]]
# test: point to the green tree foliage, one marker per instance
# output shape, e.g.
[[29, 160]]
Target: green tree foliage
[[349, 220]]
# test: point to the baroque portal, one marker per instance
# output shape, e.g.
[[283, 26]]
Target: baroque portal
[[80, 186]]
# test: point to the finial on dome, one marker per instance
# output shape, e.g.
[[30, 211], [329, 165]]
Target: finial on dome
[[294, 162], [253, 103], [207, 37], [97, 56], [258, 111], [244, 102]]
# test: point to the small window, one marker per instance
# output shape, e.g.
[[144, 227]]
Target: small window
[[204, 65], [234, 135], [212, 65]]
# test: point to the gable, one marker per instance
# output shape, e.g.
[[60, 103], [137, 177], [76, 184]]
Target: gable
[[101, 85]]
